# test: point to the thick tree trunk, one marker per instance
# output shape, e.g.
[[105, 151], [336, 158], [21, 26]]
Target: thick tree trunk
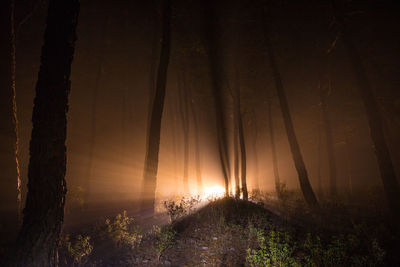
[[44, 211], [273, 149], [8, 158], [214, 53], [184, 112], [389, 180], [326, 122], [305, 185], [154, 130]]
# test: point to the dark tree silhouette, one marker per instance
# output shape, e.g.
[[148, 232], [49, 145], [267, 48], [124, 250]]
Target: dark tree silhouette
[[326, 123], [154, 129], [214, 54], [273, 148], [388, 175], [184, 112], [242, 143], [196, 129], [93, 120], [44, 211], [8, 159], [305, 185]]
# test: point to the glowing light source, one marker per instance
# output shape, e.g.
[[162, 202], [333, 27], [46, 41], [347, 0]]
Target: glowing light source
[[214, 192]]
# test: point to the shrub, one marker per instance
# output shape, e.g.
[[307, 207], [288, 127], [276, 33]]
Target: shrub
[[164, 238], [122, 232], [275, 249], [78, 250], [184, 207]]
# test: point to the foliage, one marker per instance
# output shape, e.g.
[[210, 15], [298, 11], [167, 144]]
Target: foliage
[[185, 206], [343, 250], [78, 249], [164, 238], [122, 232], [275, 249]]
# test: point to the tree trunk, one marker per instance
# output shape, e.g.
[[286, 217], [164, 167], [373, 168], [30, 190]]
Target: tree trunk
[[44, 211], [184, 112], [305, 185], [236, 146], [154, 130], [242, 152], [199, 178], [273, 148], [390, 183], [93, 121], [214, 53], [8, 157], [255, 151], [326, 122]]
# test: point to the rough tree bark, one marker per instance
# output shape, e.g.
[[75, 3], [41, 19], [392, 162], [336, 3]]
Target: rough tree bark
[[44, 211], [388, 175], [305, 185], [214, 53], [153, 140]]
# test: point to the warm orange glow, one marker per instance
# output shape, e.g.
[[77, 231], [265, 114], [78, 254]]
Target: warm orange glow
[[214, 192]]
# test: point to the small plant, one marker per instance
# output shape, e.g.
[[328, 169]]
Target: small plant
[[275, 249], [164, 239], [78, 250], [122, 232], [184, 207]]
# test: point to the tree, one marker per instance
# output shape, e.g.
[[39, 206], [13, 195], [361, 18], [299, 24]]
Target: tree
[[305, 185], [242, 151], [326, 123], [44, 211], [273, 148], [184, 112], [93, 120], [214, 54], [388, 175], [154, 130], [8, 129]]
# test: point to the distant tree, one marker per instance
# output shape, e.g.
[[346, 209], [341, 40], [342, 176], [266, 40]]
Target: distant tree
[[305, 185], [195, 119], [236, 112], [273, 148], [214, 54], [184, 113], [388, 175], [326, 123], [154, 130], [44, 211], [243, 159], [93, 120]]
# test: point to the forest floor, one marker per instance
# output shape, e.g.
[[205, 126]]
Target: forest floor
[[233, 232]]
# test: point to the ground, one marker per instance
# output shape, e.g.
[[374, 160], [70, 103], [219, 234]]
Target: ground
[[234, 232]]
